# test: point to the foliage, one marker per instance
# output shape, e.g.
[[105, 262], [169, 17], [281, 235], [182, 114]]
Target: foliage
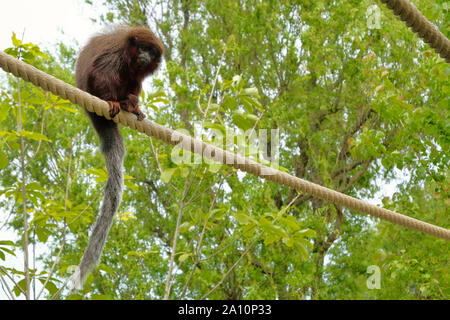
[[357, 108]]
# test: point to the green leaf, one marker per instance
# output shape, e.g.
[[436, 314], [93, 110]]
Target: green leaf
[[156, 100], [20, 285], [156, 94], [184, 256], [307, 233], [213, 107], [302, 250], [135, 254], [16, 42], [290, 222], [184, 227], [35, 186], [288, 241], [270, 238], [250, 92], [109, 270], [131, 185], [216, 126], [214, 167], [43, 234], [226, 84], [167, 174], [229, 102], [7, 243], [243, 120], [5, 107], [33, 135], [247, 103], [67, 107], [154, 107], [101, 174], [50, 286], [242, 218], [3, 161], [237, 78]]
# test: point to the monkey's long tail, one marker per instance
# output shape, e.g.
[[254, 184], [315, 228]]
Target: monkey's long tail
[[112, 147]]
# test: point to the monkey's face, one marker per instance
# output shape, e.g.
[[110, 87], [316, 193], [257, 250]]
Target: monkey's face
[[146, 55]]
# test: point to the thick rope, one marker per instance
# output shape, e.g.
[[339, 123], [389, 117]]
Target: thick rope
[[418, 23], [100, 107]]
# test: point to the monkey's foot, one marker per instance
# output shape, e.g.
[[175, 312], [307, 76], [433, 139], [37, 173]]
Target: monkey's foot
[[139, 114], [131, 105], [114, 108]]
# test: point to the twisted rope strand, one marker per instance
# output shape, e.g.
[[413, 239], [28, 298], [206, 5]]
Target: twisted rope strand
[[418, 23]]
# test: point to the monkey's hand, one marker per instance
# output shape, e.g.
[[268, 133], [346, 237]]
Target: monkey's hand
[[131, 105], [114, 108]]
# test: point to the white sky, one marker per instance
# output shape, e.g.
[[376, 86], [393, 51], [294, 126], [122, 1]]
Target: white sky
[[46, 21]]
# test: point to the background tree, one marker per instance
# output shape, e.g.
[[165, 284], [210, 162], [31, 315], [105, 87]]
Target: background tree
[[357, 108]]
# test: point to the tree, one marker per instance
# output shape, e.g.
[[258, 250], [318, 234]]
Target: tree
[[356, 107]]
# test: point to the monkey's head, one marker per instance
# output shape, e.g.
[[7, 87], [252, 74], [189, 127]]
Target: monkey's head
[[145, 49]]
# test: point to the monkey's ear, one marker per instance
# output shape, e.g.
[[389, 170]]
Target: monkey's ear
[[132, 40]]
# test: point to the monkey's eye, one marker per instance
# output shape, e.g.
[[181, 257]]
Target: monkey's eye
[[145, 47], [133, 40]]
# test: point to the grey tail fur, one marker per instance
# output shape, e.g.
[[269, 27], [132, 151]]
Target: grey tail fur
[[112, 147]]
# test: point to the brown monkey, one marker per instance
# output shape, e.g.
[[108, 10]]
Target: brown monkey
[[112, 67]]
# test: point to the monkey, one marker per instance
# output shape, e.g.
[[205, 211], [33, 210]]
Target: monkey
[[112, 66]]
